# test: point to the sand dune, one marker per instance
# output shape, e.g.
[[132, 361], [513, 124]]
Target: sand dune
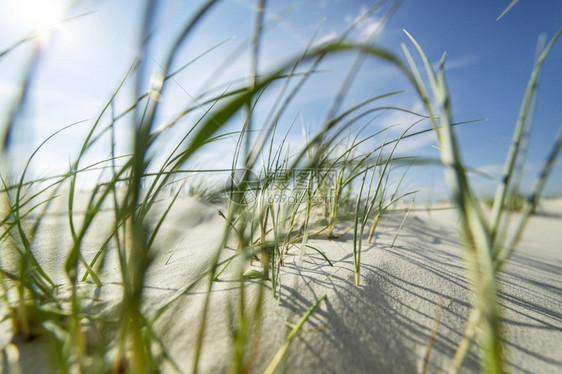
[[384, 325]]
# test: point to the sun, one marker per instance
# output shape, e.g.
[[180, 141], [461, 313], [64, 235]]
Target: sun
[[39, 16]]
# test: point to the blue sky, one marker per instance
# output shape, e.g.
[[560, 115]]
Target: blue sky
[[489, 64]]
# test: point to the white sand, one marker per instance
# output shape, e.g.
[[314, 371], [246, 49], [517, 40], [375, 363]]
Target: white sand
[[381, 326]]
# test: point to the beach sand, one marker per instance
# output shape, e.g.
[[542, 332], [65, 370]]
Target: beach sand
[[384, 325]]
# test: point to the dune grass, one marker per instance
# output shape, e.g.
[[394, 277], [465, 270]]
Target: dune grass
[[483, 239], [279, 198]]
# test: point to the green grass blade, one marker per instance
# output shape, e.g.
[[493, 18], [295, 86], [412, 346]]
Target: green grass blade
[[278, 358]]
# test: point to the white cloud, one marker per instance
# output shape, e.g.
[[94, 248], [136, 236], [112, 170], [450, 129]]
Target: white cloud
[[366, 25], [401, 120], [461, 62], [370, 26], [415, 144], [326, 39], [491, 169]]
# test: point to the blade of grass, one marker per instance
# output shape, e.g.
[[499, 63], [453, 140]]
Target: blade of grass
[[278, 358]]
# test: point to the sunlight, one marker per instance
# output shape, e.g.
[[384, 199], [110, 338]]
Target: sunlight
[[40, 16]]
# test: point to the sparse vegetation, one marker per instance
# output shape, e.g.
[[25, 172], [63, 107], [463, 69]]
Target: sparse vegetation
[[278, 201]]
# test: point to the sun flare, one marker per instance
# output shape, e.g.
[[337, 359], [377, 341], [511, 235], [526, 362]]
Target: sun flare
[[40, 16]]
